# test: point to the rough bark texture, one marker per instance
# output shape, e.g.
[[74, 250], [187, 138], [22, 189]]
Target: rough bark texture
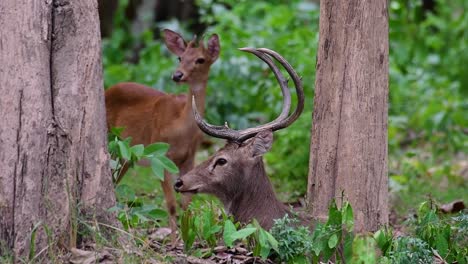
[[53, 135], [349, 134]]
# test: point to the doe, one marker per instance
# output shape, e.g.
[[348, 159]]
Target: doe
[[149, 115]]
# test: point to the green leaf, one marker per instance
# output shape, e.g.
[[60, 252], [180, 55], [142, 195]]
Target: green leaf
[[187, 229], [169, 165], [273, 242], [383, 238], [441, 244], [156, 149], [334, 215], [157, 214], [243, 233], [137, 150], [348, 219], [229, 229], [158, 168], [333, 241], [124, 150]]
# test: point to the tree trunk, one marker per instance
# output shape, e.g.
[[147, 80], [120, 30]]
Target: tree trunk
[[349, 134], [53, 151]]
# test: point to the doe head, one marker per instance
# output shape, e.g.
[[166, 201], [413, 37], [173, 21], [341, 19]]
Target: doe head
[[195, 58]]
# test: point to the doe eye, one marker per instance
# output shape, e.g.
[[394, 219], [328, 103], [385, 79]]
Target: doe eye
[[179, 59], [200, 61], [220, 162]]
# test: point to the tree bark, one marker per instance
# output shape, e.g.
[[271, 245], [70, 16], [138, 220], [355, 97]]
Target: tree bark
[[349, 134], [53, 150]]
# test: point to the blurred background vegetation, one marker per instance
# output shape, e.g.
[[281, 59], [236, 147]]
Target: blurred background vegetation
[[428, 113]]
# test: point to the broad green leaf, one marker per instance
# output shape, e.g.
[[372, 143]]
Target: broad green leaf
[[273, 242], [334, 215], [243, 233], [157, 214], [441, 244], [137, 150], [158, 168], [229, 229], [168, 164], [348, 219], [124, 150], [333, 241], [156, 149]]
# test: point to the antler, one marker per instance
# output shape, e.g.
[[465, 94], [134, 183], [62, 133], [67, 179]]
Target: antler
[[280, 122]]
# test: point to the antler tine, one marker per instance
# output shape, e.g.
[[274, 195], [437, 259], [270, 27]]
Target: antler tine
[[215, 131], [297, 83], [233, 135], [280, 122], [281, 80], [249, 132]]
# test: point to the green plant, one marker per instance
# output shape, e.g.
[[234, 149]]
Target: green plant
[[231, 234], [408, 250], [432, 237], [439, 233], [133, 212], [203, 222], [123, 154], [293, 239], [207, 224]]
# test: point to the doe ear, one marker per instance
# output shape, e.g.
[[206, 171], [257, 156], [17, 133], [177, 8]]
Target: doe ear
[[213, 47], [261, 143], [174, 42]]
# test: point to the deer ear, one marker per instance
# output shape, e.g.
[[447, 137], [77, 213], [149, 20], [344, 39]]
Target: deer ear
[[174, 42], [213, 47], [261, 143]]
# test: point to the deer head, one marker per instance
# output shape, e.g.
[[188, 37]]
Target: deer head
[[194, 58], [235, 173]]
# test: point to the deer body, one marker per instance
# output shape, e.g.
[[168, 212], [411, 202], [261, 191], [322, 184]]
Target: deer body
[[149, 115], [236, 173], [152, 116]]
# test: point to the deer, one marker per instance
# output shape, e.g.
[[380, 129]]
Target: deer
[[150, 115], [236, 174]]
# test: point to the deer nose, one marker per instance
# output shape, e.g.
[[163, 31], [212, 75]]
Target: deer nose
[[177, 76], [178, 184]]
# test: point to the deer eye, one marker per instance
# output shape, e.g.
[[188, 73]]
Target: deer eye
[[200, 61], [180, 59], [220, 162]]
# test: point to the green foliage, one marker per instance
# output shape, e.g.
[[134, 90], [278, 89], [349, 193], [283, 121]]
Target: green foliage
[[132, 212], [439, 233], [206, 224], [202, 222], [293, 239], [296, 243], [264, 242], [427, 116], [231, 233], [408, 250], [428, 79], [433, 236], [122, 153]]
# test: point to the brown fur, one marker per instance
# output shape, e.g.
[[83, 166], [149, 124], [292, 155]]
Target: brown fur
[[241, 184], [152, 116]]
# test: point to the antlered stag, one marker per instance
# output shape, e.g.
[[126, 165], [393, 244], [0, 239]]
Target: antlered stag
[[235, 173], [152, 116]]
